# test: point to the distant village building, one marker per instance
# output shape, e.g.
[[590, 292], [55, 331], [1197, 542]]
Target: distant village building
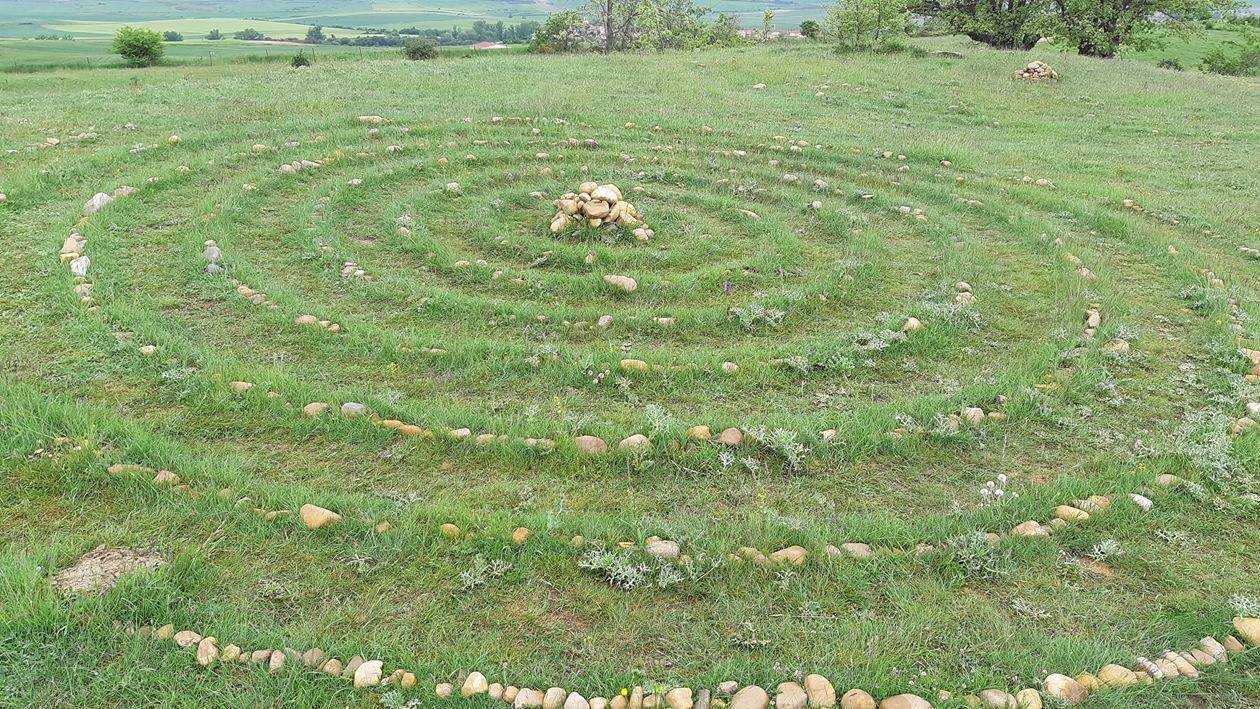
[[774, 34], [488, 45]]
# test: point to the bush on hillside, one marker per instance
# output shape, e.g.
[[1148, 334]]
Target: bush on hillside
[[1244, 62], [300, 60], [214, 34], [562, 32], [140, 47], [868, 24], [172, 36], [1170, 63], [811, 29], [249, 34], [420, 49]]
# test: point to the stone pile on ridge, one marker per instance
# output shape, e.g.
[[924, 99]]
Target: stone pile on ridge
[[597, 205], [1036, 71]]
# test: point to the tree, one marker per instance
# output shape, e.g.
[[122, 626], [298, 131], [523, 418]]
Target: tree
[[562, 32], [419, 49], [249, 33], [1005, 24], [214, 34], [767, 22], [724, 32], [140, 47], [1097, 28], [811, 29], [172, 36], [315, 35], [865, 24]]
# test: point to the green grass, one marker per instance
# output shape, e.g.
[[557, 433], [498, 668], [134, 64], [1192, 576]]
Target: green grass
[[1189, 50], [17, 56], [515, 363]]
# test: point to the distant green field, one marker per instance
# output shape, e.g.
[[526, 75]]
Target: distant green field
[[23, 55], [291, 18], [194, 27], [1189, 50]]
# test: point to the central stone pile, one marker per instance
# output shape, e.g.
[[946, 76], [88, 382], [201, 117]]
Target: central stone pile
[[597, 205], [1037, 70]]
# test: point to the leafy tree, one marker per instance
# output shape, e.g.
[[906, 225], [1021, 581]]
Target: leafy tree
[[1097, 28], [140, 47], [214, 34], [172, 36], [562, 32], [249, 33], [724, 32], [420, 49], [1006, 24], [767, 21], [865, 24], [811, 29], [315, 35]]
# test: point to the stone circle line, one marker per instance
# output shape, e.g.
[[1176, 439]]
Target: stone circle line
[[817, 690]]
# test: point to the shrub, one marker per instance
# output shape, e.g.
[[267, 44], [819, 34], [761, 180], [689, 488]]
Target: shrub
[[811, 29], [562, 32], [300, 60], [419, 49], [140, 47], [866, 24], [249, 33], [214, 34], [1244, 62], [172, 36], [1170, 63]]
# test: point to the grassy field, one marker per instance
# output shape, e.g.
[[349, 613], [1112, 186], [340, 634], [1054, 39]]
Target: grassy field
[[1189, 50], [17, 56], [797, 229], [290, 18]]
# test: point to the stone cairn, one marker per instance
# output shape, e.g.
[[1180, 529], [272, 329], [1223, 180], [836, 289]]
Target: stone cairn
[[598, 205], [1036, 71]]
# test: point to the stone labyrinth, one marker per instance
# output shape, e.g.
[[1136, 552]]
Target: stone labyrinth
[[713, 305]]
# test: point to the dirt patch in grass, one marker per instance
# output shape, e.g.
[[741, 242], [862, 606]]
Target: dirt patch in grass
[[98, 570]]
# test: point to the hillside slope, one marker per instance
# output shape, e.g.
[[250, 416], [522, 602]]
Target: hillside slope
[[1079, 257]]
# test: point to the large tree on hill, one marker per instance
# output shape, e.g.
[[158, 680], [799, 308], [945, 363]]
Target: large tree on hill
[[1098, 28], [1006, 24]]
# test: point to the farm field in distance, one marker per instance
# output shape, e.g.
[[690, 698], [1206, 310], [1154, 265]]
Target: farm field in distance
[[891, 369]]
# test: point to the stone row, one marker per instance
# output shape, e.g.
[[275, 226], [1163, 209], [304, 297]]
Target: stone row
[[815, 690]]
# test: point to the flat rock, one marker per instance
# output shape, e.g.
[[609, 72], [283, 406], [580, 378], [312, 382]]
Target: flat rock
[[821, 692], [1249, 629], [905, 701], [790, 695], [315, 517], [368, 674], [679, 698], [1065, 689], [207, 651], [590, 444], [751, 697], [474, 684], [791, 555]]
